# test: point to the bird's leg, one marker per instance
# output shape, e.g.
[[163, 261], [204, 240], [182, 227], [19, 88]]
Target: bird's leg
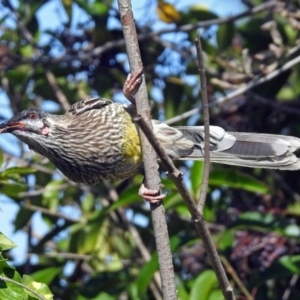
[[151, 196], [130, 88], [131, 85]]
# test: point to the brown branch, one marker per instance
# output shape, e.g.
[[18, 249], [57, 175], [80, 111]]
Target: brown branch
[[66, 255], [236, 278], [149, 156], [205, 178], [48, 212], [39, 192], [176, 176], [197, 214], [63, 100], [202, 227], [292, 284]]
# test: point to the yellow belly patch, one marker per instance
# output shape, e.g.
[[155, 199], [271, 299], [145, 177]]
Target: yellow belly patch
[[131, 145]]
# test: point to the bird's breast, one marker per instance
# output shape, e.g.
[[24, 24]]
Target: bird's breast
[[105, 148]]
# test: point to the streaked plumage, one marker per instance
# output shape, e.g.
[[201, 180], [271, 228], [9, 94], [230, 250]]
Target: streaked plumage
[[96, 139]]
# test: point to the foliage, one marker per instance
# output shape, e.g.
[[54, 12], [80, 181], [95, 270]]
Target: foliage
[[15, 287], [99, 243]]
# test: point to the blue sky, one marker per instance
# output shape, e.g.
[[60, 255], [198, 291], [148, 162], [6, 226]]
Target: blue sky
[[50, 17]]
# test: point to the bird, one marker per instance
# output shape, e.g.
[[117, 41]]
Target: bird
[[97, 139]]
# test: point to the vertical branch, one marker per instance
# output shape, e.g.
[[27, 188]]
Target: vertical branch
[[197, 216], [204, 185], [196, 212], [149, 156]]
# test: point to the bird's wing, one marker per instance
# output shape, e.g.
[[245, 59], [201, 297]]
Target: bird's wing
[[88, 104], [245, 149], [219, 139], [185, 141]]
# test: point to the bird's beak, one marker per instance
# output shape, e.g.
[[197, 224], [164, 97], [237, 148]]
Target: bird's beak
[[11, 126]]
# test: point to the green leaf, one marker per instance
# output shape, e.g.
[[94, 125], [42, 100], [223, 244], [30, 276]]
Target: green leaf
[[88, 203], [292, 230], [38, 287], [27, 51], [225, 35], [174, 87], [46, 275], [94, 8], [22, 218], [237, 180], [18, 170], [146, 274], [262, 222], [9, 290], [216, 295], [204, 286], [101, 296], [287, 93], [5, 243], [51, 194], [197, 13], [13, 190], [181, 289], [128, 197], [86, 238], [285, 266], [291, 263], [196, 177], [1, 157], [67, 4], [224, 239]]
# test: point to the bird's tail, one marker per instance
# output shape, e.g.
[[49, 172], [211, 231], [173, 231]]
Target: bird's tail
[[243, 149]]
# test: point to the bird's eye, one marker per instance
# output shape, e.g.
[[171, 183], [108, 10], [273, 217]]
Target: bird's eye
[[32, 116]]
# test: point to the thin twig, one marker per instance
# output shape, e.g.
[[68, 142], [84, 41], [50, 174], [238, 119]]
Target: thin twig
[[39, 192], [205, 178], [63, 100], [66, 255], [50, 213], [176, 176], [292, 283], [236, 278]]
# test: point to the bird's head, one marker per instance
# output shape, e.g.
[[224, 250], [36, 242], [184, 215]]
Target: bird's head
[[26, 123], [31, 126]]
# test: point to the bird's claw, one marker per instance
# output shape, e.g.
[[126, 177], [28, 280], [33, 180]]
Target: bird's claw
[[132, 84], [152, 196]]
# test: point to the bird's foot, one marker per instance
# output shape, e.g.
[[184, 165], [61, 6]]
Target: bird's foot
[[132, 84], [152, 196]]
